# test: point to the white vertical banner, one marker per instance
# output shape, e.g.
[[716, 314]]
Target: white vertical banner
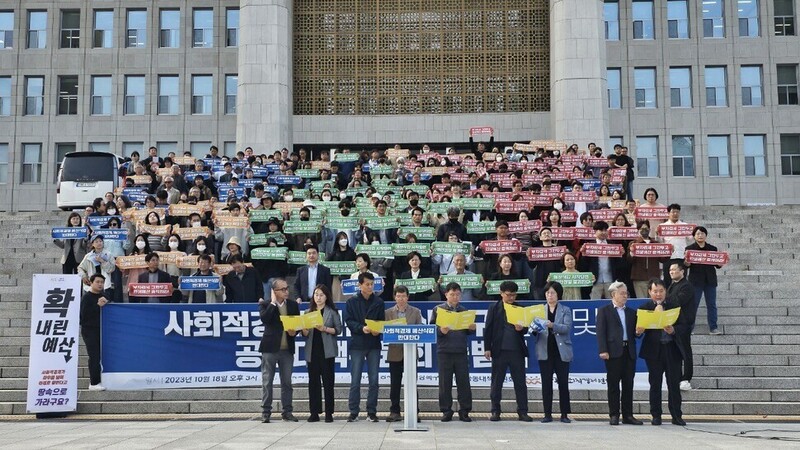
[[53, 362]]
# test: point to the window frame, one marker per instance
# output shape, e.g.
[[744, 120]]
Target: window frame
[[787, 92], [681, 89], [645, 90], [793, 158], [717, 162], [716, 89], [231, 109], [102, 33], [69, 36], [40, 34], [67, 101], [169, 37], [140, 34], [685, 21], [28, 98], [645, 21], [206, 99], [749, 93], [105, 100], [207, 33], [232, 33], [31, 170], [8, 34], [686, 161], [139, 101], [715, 22], [646, 162], [169, 97], [617, 89], [754, 158]]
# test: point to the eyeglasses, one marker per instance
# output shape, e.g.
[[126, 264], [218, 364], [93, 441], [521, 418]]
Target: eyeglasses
[[113, 225], [281, 289]]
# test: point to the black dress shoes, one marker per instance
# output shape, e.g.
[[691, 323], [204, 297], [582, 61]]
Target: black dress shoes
[[656, 421], [614, 420], [678, 421], [524, 417], [464, 417], [447, 417], [495, 417], [631, 421]]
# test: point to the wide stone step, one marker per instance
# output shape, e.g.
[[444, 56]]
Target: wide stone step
[[746, 383]]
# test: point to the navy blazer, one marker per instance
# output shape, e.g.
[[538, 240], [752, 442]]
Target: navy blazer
[[163, 277], [494, 329], [609, 331], [247, 290], [273, 327], [301, 287]]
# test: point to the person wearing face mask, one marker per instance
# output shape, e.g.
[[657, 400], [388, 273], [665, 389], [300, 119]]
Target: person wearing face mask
[[452, 225], [543, 269], [140, 247], [98, 260], [297, 241], [174, 244], [270, 270]]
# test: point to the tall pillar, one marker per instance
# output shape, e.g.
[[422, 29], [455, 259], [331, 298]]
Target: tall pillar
[[578, 85], [264, 99]]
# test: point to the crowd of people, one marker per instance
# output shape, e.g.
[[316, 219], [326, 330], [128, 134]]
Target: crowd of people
[[538, 220]]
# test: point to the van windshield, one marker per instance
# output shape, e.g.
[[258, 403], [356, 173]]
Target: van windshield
[[88, 168]]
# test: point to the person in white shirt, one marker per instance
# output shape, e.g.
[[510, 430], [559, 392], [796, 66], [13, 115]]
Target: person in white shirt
[[678, 243]]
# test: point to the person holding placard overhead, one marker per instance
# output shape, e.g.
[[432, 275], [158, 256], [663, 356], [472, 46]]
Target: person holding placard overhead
[[554, 351], [413, 316], [504, 345], [277, 349], [663, 357], [321, 350], [74, 249]]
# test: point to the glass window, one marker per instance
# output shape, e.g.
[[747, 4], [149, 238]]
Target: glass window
[[61, 151], [70, 28], [715, 86], [784, 17], [134, 95], [611, 20], [103, 29], [130, 147], [37, 29], [748, 18], [787, 84], [168, 94], [34, 96], [5, 96], [136, 30], [170, 31], [647, 156], [790, 154], [6, 30], [101, 95], [642, 11], [199, 149], [751, 86], [164, 148], [203, 31], [231, 87], [99, 147], [682, 156], [713, 19], [3, 163], [678, 19], [645, 87], [31, 163], [755, 164], [232, 27], [68, 95], [719, 156], [202, 91], [680, 87], [614, 88]]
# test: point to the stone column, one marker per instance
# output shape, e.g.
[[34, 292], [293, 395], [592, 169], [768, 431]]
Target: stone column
[[578, 85], [264, 100]]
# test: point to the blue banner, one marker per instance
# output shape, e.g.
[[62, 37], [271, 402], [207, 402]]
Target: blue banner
[[154, 346], [225, 192], [350, 287], [69, 232], [100, 221], [112, 234], [136, 194], [189, 176], [423, 176], [285, 179], [260, 172], [198, 283], [409, 334], [250, 182]]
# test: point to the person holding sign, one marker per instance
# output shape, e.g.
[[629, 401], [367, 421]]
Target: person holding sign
[[679, 243], [204, 263], [277, 349], [504, 344], [415, 272], [91, 303], [615, 331], [224, 234], [321, 350], [364, 345], [154, 275], [604, 269], [452, 353], [505, 271], [662, 356], [554, 350], [74, 249], [643, 269], [413, 316], [98, 260], [703, 278]]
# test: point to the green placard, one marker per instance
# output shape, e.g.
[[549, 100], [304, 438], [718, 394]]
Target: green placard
[[307, 173], [316, 214], [383, 223], [418, 285], [382, 169], [342, 223], [299, 258], [298, 227], [301, 194], [365, 211], [480, 204], [405, 219], [346, 157], [493, 286], [273, 253], [420, 189], [323, 205], [319, 185], [573, 279], [263, 215], [422, 233], [473, 281], [404, 249], [450, 248], [341, 267], [376, 250], [351, 192], [482, 227], [441, 207]]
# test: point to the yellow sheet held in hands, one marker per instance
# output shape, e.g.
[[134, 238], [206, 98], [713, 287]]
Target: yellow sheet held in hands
[[377, 325], [524, 315], [306, 321], [455, 320], [656, 320]]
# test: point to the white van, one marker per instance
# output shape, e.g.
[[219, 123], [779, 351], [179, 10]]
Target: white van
[[84, 176]]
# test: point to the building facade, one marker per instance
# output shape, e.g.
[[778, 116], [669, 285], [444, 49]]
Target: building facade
[[703, 92]]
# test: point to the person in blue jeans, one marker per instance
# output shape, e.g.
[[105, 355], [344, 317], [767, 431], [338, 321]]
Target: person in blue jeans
[[704, 279], [365, 344]]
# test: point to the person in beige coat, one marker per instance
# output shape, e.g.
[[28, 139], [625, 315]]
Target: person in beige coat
[[413, 316]]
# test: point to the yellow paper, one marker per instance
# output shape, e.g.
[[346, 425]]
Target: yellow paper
[[524, 315], [455, 320], [306, 321], [656, 320], [377, 325]]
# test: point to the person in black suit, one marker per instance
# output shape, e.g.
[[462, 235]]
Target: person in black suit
[[662, 355], [681, 293], [154, 275], [311, 275], [242, 284], [277, 348], [605, 270], [703, 278], [505, 346], [617, 346], [415, 262]]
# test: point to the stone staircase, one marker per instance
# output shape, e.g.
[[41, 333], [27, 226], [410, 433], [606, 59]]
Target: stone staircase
[[752, 369]]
